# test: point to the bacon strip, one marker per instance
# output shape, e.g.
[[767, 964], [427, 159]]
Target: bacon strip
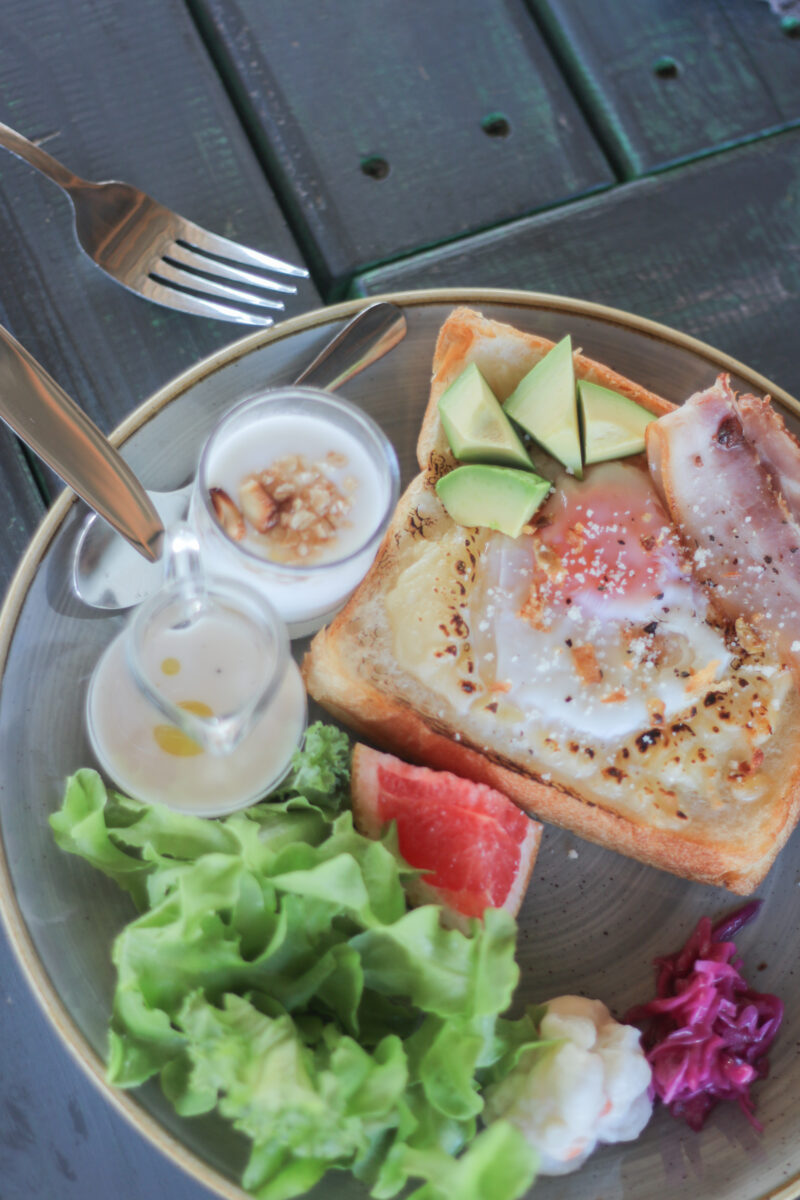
[[723, 469], [778, 449]]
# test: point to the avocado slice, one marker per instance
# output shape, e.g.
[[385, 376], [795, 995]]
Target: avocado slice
[[499, 497], [544, 404], [613, 425], [477, 428]]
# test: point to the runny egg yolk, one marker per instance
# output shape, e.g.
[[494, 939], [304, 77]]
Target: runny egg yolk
[[609, 546], [173, 740]]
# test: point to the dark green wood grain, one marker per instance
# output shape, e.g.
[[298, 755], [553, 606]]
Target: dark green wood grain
[[329, 88], [712, 248], [124, 91], [673, 80], [129, 92], [22, 504], [59, 1138]]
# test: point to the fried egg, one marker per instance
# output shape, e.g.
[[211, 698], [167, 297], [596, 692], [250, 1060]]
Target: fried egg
[[594, 622]]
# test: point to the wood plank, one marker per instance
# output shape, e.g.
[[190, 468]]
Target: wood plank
[[128, 93], [672, 247], [58, 1136], [389, 127], [24, 505], [56, 1130], [671, 81]]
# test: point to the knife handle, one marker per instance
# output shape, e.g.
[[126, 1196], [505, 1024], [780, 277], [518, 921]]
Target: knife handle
[[42, 414]]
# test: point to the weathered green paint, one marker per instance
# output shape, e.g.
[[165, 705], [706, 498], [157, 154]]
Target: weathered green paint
[[326, 86], [711, 248], [736, 74], [127, 93], [23, 506]]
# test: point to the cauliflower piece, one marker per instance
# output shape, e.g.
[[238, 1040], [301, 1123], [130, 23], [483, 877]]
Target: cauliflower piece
[[591, 1086]]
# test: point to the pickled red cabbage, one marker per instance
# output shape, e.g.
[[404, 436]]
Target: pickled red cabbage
[[707, 1033]]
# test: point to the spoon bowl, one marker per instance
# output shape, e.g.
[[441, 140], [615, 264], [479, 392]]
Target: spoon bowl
[[107, 572]]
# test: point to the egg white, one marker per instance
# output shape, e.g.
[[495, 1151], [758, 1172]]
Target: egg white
[[535, 668]]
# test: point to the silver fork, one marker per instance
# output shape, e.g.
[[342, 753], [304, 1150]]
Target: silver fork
[[162, 256]]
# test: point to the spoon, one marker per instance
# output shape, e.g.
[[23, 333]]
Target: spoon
[[116, 572], [107, 573]]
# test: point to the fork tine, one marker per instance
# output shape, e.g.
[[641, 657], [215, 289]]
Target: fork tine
[[165, 272], [212, 243], [171, 298], [184, 257]]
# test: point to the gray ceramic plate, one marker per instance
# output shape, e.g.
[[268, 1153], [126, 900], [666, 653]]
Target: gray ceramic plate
[[592, 921]]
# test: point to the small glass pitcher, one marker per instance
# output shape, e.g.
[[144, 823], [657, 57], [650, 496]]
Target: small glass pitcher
[[197, 703]]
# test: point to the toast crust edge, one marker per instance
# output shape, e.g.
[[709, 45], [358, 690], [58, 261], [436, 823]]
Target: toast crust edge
[[462, 334], [392, 725]]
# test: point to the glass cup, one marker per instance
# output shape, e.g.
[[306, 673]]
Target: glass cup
[[197, 703], [295, 453]]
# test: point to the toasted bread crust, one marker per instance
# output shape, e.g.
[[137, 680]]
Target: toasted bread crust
[[340, 676], [505, 355], [389, 724]]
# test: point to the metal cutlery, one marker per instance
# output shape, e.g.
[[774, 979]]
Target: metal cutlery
[[51, 423], [109, 573], [159, 254]]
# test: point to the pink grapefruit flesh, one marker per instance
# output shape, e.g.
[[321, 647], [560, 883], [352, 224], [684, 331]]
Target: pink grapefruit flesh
[[476, 847]]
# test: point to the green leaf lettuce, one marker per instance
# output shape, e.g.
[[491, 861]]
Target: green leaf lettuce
[[275, 973]]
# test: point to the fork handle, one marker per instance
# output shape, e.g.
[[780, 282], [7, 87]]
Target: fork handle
[[38, 158], [53, 425]]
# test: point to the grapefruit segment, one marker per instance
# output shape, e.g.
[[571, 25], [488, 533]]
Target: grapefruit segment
[[476, 847]]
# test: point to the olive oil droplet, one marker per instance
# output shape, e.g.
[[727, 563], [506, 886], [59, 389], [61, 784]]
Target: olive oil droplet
[[173, 740]]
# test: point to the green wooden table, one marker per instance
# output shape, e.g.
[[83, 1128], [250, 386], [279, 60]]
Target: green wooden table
[[646, 155]]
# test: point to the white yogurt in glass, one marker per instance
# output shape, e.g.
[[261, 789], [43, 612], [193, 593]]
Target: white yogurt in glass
[[354, 455]]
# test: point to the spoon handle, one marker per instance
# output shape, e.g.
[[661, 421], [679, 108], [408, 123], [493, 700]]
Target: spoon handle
[[51, 423], [367, 337]]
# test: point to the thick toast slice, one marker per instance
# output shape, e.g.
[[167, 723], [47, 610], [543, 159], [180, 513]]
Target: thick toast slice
[[711, 794]]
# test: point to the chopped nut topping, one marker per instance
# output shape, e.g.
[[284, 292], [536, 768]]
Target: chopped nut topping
[[293, 508], [258, 506], [227, 514]]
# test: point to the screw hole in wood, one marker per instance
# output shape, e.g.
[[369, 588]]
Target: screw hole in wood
[[666, 67], [496, 125], [375, 167]]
